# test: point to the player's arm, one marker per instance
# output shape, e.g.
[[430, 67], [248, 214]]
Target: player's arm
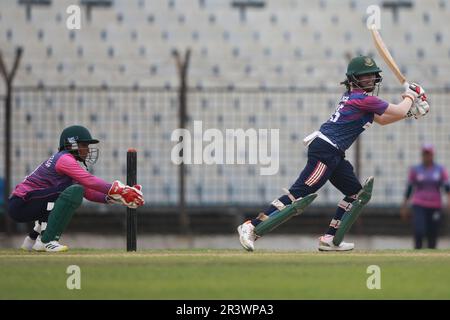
[[410, 185], [100, 197], [404, 210], [394, 112], [95, 196], [414, 104], [447, 208], [67, 165], [446, 187]]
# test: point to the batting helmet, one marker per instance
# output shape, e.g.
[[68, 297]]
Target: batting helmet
[[359, 66]]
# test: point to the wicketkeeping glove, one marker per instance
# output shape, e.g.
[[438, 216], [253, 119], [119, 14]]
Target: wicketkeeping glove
[[138, 202], [129, 196]]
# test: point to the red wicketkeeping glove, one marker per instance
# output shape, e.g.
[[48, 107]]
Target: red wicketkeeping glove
[[130, 196]]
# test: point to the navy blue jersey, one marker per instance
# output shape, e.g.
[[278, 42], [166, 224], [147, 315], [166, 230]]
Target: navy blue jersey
[[355, 113]]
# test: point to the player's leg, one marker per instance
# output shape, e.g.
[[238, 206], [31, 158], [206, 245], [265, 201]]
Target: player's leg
[[36, 207], [345, 180], [419, 225], [36, 231], [29, 240], [314, 175], [66, 204], [312, 178], [362, 198], [433, 219], [278, 217], [299, 196], [322, 159]]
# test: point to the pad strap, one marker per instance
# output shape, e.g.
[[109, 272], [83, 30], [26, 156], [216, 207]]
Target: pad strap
[[345, 205], [278, 204], [289, 194], [335, 223]]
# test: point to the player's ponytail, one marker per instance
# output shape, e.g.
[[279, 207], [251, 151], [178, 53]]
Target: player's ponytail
[[346, 82]]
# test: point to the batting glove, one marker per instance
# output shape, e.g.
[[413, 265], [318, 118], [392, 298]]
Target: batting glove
[[413, 92], [419, 108]]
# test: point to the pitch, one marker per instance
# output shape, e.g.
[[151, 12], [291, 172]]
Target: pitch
[[225, 274]]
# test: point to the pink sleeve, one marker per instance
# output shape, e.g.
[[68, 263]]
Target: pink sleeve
[[95, 196], [67, 165], [370, 104], [412, 176]]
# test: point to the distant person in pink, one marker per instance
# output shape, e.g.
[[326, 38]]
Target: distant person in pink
[[425, 183]]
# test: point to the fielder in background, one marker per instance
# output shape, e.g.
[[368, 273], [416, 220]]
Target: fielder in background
[[356, 111], [50, 195], [425, 182]]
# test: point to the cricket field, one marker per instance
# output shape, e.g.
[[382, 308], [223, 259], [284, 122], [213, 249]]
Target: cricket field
[[225, 274]]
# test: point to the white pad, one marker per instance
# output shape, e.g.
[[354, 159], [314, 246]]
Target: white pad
[[37, 226], [50, 206]]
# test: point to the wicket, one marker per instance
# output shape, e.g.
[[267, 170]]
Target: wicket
[[131, 213]]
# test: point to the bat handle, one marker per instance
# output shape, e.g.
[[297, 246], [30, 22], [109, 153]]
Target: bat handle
[[406, 85]]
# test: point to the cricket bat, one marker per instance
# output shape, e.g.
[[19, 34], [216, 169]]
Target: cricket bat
[[384, 53]]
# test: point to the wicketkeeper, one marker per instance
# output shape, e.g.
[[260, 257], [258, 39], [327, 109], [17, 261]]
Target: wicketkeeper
[[50, 195], [356, 111]]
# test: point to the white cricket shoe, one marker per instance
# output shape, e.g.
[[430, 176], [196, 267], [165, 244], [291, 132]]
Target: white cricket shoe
[[247, 235], [27, 244], [52, 246], [326, 244], [39, 245]]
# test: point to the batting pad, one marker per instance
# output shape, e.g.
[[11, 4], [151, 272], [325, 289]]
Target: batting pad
[[65, 206], [279, 217], [350, 217]]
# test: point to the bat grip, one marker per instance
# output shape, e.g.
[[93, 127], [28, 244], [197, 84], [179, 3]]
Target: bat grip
[[406, 85]]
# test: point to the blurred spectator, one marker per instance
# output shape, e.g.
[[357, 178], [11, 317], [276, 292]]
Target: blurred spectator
[[425, 182], [2, 190]]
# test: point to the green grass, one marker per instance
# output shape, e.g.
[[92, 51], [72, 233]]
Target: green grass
[[225, 274]]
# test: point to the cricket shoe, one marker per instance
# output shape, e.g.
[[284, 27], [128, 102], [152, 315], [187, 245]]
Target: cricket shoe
[[247, 235], [326, 244], [27, 244], [52, 246]]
